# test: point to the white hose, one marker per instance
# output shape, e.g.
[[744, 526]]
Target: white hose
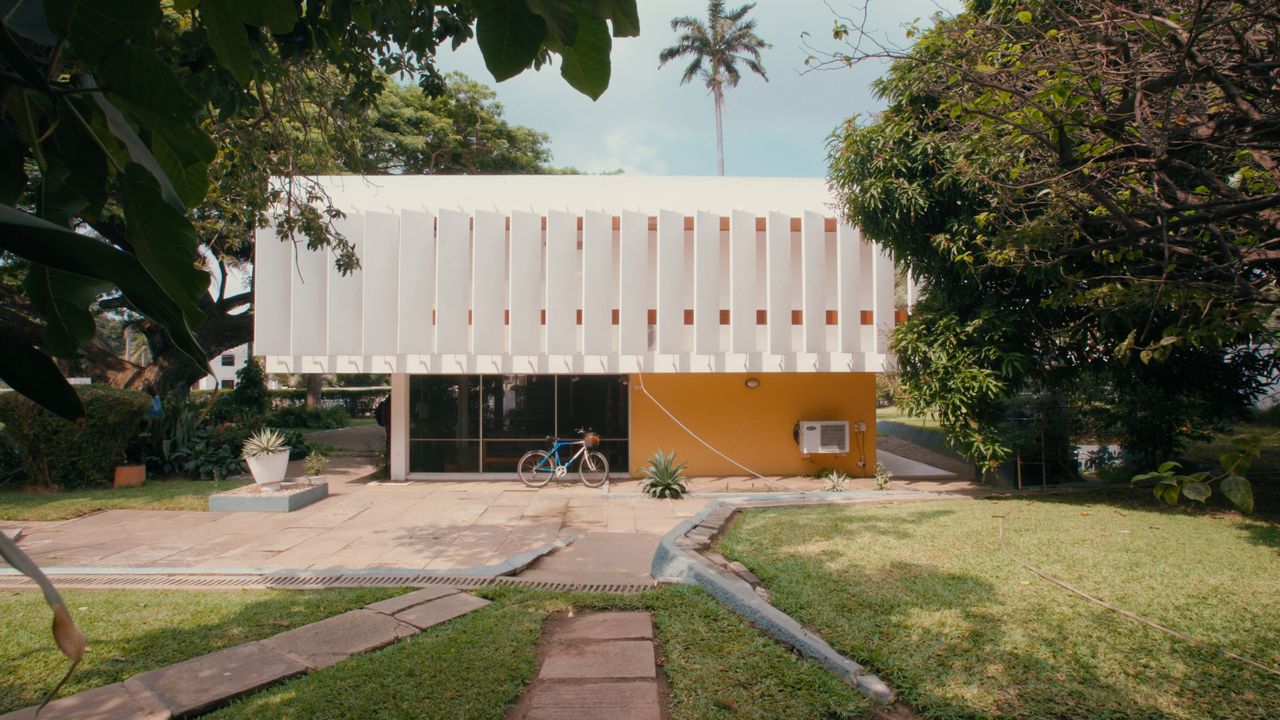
[[692, 434]]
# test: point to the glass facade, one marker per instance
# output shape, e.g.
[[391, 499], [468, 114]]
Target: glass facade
[[484, 423]]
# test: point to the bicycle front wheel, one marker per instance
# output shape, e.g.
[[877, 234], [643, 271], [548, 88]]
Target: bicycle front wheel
[[594, 469], [535, 468]]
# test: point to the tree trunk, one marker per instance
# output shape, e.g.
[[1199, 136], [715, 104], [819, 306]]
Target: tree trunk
[[718, 95], [314, 382]]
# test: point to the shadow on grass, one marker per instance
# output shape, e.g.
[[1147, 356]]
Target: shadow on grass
[[901, 527], [1262, 527], [180, 630]]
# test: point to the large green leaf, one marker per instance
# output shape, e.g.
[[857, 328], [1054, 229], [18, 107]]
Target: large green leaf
[[1197, 491], [94, 28], [164, 241], [1238, 491], [228, 38], [30, 372], [622, 13], [509, 34], [119, 126], [77, 149], [146, 87], [585, 65], [57, 247], [27, 18], [561, 17], [190, 181], [64, 299]]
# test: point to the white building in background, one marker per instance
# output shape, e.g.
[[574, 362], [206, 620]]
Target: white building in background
[[225, 367]]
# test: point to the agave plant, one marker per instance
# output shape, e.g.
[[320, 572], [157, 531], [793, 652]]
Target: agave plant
[[663, 478], [264, 442]]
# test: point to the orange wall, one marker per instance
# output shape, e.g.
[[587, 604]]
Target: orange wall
[[750, 425]]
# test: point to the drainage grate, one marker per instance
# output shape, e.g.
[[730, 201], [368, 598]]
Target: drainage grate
[[307, 582]]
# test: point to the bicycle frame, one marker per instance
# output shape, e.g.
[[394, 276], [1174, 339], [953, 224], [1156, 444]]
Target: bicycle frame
[[563, 467]]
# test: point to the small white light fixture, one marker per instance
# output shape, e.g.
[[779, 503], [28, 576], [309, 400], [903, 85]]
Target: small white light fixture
[[752, 383]]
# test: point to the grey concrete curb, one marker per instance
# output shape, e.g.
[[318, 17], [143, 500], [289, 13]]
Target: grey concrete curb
[[510, 566], [678, 560]]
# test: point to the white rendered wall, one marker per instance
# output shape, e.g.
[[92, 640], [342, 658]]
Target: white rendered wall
[[525, 275]]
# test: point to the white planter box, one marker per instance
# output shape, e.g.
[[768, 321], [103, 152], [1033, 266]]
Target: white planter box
[[269, 470]]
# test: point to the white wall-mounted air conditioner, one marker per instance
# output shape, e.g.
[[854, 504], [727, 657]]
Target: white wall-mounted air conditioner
[[824, 437]]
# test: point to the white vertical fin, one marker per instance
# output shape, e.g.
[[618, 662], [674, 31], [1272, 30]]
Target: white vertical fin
[[525, 300], [599, 288], [778, 270], [273, 263], [671, 279], [813, 245], [706, 283], [849, 259], [633, 270], [453, 265], [379, 261], [562, 279], [488, 283], [417, 282]]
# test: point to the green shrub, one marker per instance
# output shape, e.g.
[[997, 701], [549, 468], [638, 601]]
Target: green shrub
[[10, 466], [54, 453], [663, 478], [250, 392], [322, 418]]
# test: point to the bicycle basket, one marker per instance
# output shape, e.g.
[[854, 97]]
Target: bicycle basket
[[591, 439]]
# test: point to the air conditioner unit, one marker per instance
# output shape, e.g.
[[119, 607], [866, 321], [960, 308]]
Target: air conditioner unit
[[824, 437]]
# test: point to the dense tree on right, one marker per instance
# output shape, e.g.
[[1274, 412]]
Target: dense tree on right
[[1090, 192]]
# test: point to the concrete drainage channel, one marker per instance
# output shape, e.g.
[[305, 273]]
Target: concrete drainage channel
[[683, 557]]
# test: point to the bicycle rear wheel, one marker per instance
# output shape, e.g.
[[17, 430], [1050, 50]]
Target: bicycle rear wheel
[[535, 468], [594, 469]]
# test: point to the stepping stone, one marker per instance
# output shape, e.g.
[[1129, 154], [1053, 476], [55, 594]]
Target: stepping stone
[[332, 640], [608, 700], [110, 702], [595, 660], [438, 611], [391, 606], [608, 626], [209, 680]]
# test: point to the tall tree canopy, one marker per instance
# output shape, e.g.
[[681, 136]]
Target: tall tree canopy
[[116, 116], [716, 48], [1090, 192]]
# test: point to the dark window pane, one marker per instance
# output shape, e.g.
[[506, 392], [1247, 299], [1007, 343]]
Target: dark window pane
[[444, 407], [228, 360], [444, 456], [519, 406], [615, 451], [596, 402], [501, 455]]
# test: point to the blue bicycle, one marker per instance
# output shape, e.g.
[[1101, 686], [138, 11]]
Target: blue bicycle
[[537, 467]]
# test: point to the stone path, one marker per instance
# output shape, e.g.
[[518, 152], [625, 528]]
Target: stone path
[[209, 681], [594, 666]]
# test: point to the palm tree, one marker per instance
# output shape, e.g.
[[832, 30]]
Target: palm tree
[[726, 40]]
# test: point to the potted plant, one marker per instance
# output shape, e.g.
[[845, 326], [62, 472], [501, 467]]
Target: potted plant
[[131, 472], [314, 464], [268, 457]]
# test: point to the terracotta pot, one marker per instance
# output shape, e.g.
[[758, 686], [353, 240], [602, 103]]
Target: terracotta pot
[[130, 475], [268, 470]]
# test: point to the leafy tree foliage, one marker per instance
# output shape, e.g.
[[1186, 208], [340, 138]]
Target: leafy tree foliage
[[1089, 192], [116, 116], [716, 47]]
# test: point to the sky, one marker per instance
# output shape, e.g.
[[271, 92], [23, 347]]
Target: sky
[[646, 123]]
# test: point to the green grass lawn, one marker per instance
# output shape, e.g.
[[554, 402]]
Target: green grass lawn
[[892, 413], [474, 667], [152, 495], [923, 595], [130, 632]]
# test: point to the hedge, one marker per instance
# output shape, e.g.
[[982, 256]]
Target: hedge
[[54, 453], [358, 402]]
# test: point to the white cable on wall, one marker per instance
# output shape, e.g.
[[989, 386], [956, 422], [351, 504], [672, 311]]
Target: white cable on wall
[[692, 434]]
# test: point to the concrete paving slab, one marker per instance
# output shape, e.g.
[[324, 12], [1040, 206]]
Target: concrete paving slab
[[607, 626], [599, 557], [109, 702], [199, 684], [438, 611], [391, 606], [608, 700], [598, 660], [332, 640]]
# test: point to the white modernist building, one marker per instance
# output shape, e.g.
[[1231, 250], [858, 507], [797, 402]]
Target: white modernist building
[[495, 300]]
